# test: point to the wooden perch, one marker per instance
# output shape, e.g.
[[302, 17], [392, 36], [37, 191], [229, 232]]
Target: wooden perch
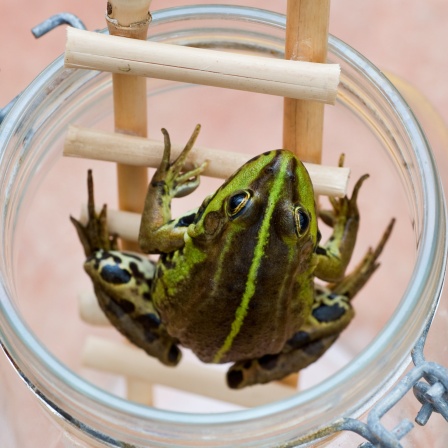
[[306, 40], [307, 24], [130, 19], [138, 151], [293, 79], [127, 15], [121, 359]]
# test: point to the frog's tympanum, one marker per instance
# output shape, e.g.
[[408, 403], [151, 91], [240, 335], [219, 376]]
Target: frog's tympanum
[[235, 278]]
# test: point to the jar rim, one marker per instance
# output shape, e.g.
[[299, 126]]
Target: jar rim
[[431, 241]]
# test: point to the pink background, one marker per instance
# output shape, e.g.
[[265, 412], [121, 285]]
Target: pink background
[[405, 37]]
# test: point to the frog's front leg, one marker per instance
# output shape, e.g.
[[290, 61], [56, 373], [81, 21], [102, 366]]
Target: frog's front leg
[[330, 315], [333, 257], [122, 284], [158, 232]]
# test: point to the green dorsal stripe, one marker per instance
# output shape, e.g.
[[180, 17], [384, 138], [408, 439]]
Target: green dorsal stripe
[[263, 236]]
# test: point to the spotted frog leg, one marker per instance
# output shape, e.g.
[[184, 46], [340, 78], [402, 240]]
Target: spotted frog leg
[[332, 310], [122, 283]]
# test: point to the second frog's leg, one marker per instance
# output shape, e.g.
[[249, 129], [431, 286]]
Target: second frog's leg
[[122, 283], [331, 313]]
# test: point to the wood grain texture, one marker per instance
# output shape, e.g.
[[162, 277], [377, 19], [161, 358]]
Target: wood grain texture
[[306, 40]]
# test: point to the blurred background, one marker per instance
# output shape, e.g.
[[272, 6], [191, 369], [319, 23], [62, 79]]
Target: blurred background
[[406, 38]]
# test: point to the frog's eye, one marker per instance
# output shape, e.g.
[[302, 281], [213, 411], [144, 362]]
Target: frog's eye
[[302, 219], [238, 202]]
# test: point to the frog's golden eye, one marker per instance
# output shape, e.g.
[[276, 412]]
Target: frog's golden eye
[[238, 202], [302, 219]]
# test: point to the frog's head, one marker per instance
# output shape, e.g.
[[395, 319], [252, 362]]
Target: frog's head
[[268, 199]]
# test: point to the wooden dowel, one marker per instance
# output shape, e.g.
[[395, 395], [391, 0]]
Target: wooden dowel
[[130, 19], [109, 146], [140, 391], [89, 50], [306, 40], [125, 13], [190, 376]]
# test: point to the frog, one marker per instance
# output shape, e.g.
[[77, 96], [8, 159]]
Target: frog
[[243, 279]]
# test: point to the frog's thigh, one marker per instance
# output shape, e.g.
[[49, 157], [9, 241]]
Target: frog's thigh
[[122, 285], [331, 314]]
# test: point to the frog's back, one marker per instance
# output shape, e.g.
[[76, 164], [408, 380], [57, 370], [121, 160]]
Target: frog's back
[[241, 285]]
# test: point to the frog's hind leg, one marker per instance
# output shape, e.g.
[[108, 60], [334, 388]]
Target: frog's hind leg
[[331, 313], [276, 367], [122, 283]]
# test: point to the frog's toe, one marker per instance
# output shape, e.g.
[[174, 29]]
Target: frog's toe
[[187, 182], [179, 178], [354, 198], [94, 235], [178, 165], [328, 217], [352, 283]]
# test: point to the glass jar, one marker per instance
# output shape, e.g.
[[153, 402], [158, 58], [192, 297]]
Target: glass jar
[[41, 271]]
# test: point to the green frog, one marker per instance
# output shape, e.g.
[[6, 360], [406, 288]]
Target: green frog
[[235, 279]]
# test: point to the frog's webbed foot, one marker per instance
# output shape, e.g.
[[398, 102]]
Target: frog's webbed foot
[[178, 180], [94, 235]]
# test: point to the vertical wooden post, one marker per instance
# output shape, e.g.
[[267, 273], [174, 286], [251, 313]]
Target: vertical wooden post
[[307, 24], [130, 18], [306, 40]]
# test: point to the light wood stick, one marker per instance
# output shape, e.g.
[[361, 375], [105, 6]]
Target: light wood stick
[[130, 19], [128, 12], [140, 391], [192, 377], [109, 146], [89, 50], [307, 24], [306, 40]]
